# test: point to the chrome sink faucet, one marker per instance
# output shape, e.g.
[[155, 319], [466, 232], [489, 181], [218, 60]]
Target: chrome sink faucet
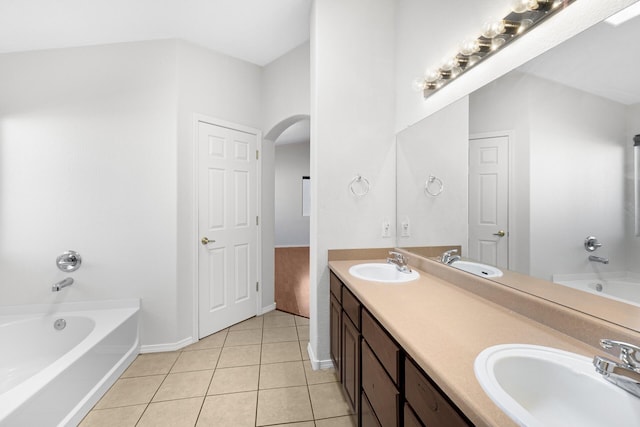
[[449, 258], [400, 261], [624, 373]]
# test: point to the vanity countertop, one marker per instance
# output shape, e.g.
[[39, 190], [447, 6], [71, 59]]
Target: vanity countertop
[[443, 328]]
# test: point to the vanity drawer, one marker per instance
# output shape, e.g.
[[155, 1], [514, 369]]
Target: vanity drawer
[[351, 306], [336, 286], [382, 394], [368, 416], [382, 345], [430, 406], [410, 419]]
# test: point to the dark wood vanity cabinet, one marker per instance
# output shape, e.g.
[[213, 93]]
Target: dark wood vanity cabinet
[[383, 385]]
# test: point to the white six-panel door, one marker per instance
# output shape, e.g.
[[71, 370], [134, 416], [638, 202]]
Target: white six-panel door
[[227, 226], [489, 200]]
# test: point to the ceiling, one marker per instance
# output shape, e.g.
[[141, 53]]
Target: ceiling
[[257, 31], [603, 60]]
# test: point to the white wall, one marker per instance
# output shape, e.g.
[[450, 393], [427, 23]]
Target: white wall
[[577, 179], [437, 145], [87, 162], [285, 86], [291, 164], [352, 110], [220, 87], [97, 156]]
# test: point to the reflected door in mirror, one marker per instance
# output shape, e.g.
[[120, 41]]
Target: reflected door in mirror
[[489, 200]]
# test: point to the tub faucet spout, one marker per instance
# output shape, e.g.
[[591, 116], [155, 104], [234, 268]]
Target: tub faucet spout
[[62, 284], [598, 259]]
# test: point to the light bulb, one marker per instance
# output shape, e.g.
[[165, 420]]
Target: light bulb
[[455, 72], [419, 84], [524, 24], [431, 75], [469, 47], [473, 60], [521, 6], [497, 42], [449, 63], [493, 28]]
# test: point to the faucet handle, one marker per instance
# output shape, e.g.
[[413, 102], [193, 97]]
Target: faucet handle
[[398, 256], [629, 353]]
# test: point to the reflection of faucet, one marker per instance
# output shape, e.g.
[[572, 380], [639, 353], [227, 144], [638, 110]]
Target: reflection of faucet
[[62, 284], [626, 373], [448, 258], [400, 261], [598, 259]]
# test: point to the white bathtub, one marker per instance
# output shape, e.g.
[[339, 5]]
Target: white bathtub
[[51, 377], [621, 286]]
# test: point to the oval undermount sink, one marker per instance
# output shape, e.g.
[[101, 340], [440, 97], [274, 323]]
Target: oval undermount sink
[[542, 386], [381, 272], [477, 268]]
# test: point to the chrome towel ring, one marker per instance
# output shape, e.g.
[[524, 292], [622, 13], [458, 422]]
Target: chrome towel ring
[[433, 186], [359, 186]]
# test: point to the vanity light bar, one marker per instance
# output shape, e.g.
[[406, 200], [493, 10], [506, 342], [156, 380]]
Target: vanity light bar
[[524, 15]]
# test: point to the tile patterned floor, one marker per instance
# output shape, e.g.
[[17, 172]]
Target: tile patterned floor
[[255, 373]]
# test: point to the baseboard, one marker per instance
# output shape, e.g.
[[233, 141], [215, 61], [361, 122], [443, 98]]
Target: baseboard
[[157, 348], [315, 362], [267, 309]]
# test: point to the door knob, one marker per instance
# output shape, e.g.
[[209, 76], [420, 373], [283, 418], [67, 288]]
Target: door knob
[[205, 240], [500, 233]]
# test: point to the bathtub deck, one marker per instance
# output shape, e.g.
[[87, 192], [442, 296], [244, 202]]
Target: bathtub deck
[[241, 377]]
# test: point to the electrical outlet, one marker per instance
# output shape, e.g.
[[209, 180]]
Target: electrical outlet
[[405, 230], [386, 228]]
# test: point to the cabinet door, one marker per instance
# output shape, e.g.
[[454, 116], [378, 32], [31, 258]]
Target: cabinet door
[[336, 333], [351, 361], [429, 404]]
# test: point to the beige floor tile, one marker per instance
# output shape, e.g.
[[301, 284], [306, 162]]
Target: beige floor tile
[[239, 356], [184, 385], [287, 374], [328, 401], [275, 313], [303, 332], [248, 337], [212, 341], [304, 350], [279, 335], [151, 364], [282, 321], [197, 360], [173, 413], [319, 376], [126, 416], [350, 421], [283, 405], [302, 424], [301, 321], [233, 380], [253, 323], [131, 391], [280, 352], [236, 409]]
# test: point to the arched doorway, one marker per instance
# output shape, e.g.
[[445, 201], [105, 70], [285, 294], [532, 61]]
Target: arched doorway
[[286, 162]]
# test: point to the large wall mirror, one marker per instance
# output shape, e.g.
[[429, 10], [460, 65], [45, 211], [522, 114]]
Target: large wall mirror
[[522, 172]]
